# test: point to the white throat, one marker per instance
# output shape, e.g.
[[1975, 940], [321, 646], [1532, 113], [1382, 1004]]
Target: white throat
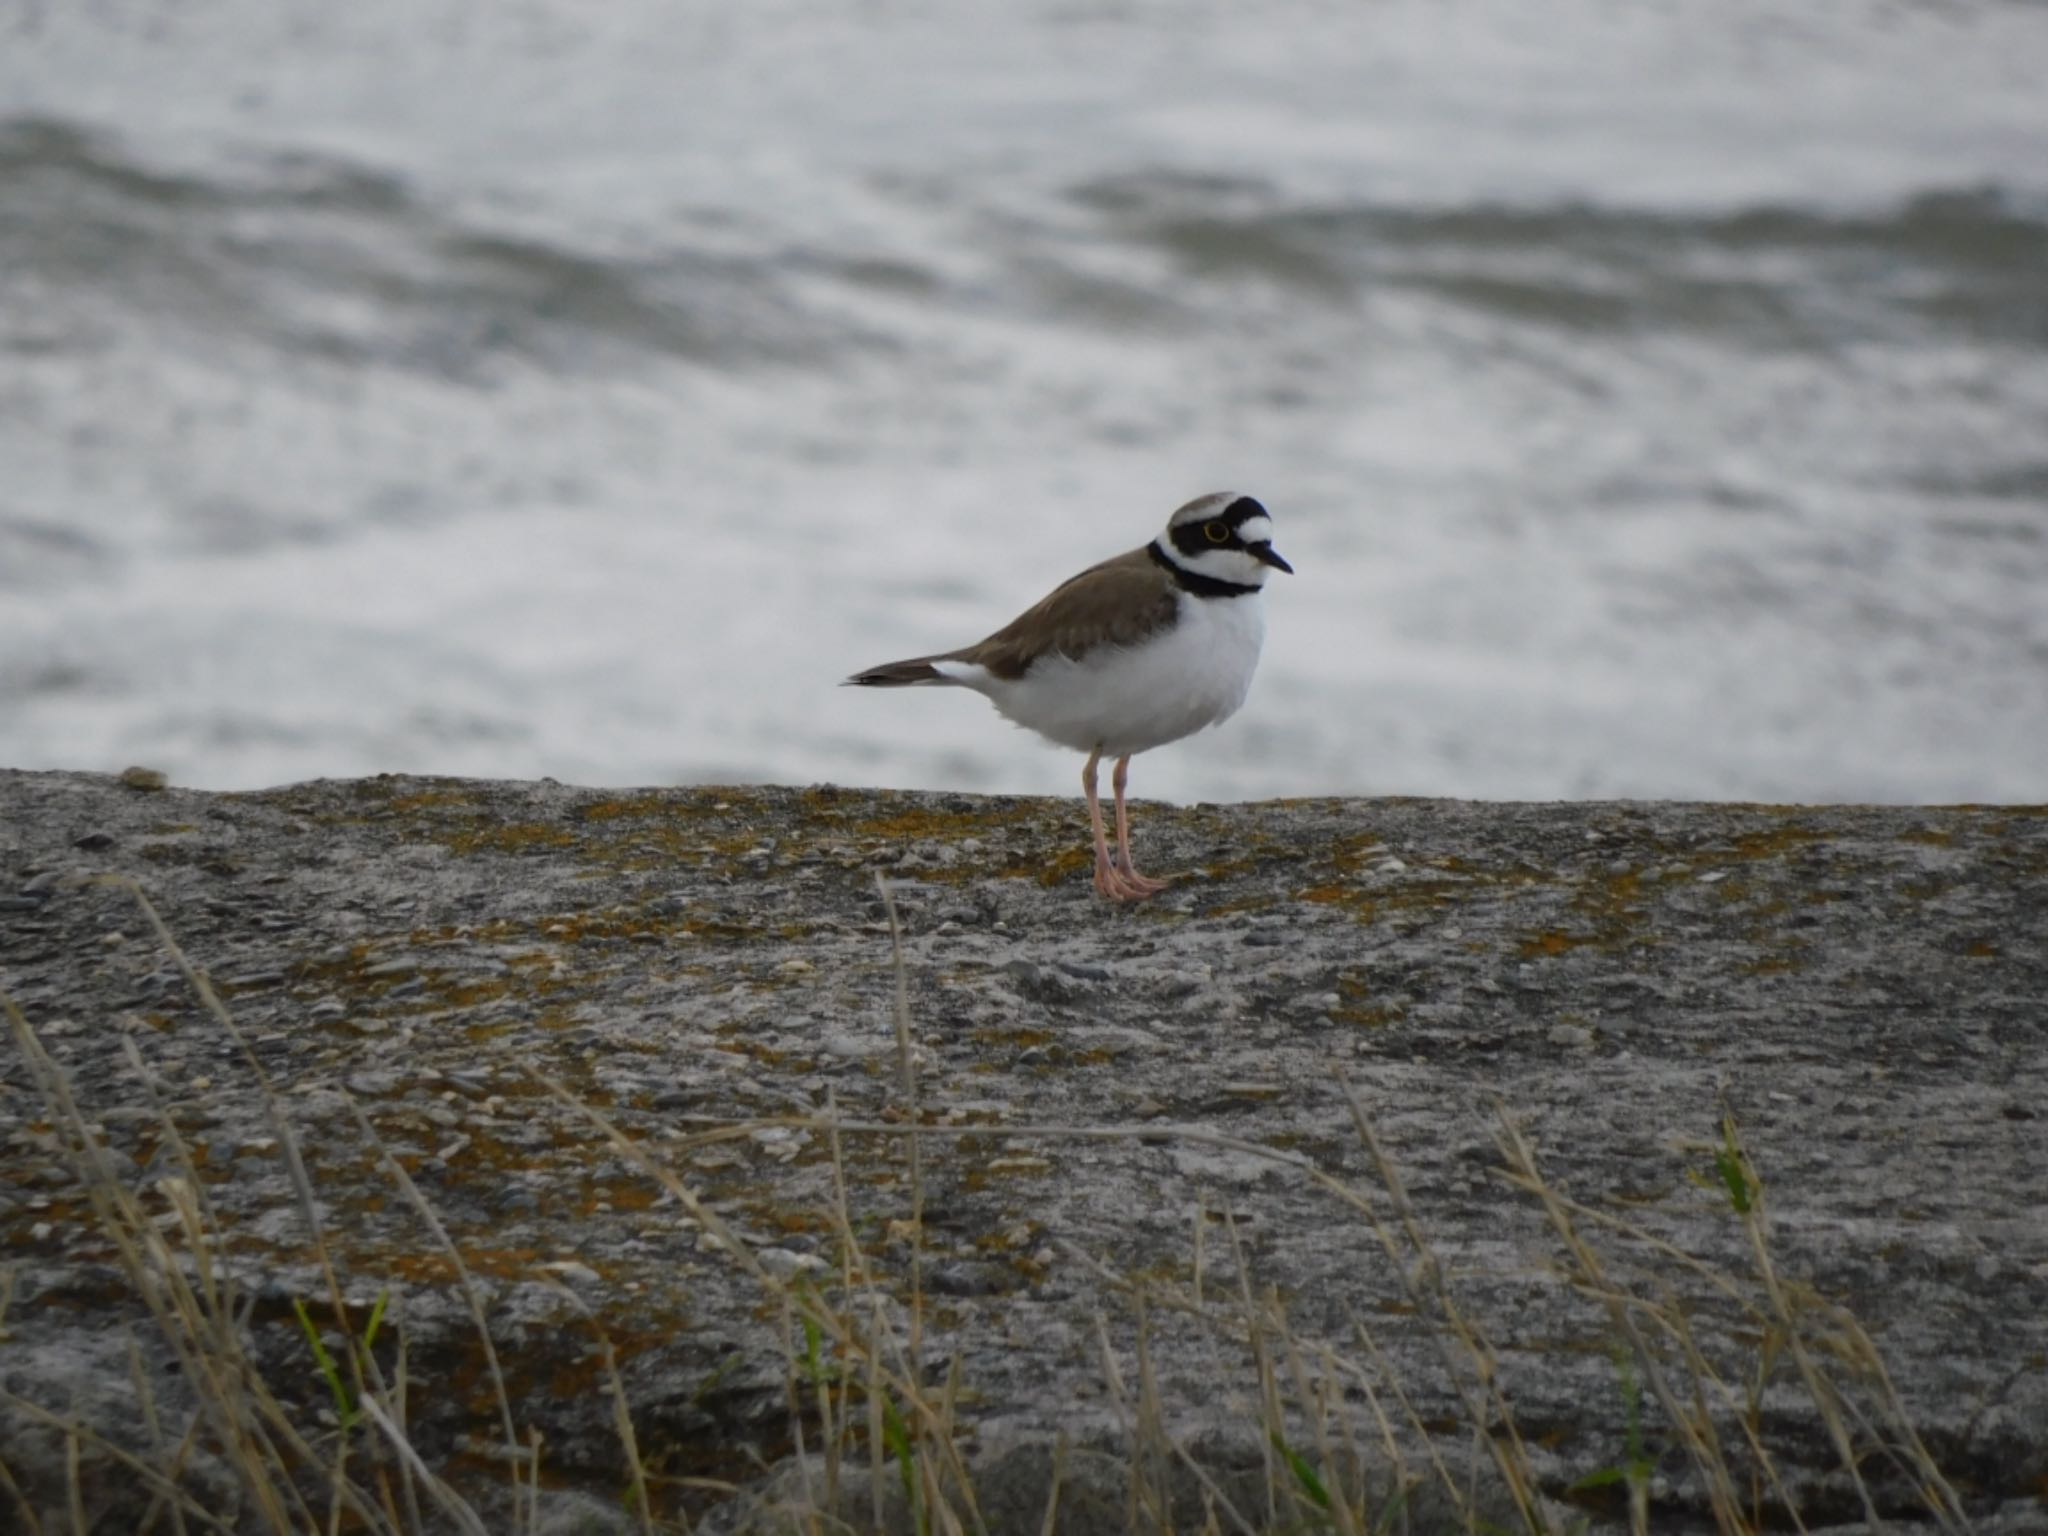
[[1233, 566]]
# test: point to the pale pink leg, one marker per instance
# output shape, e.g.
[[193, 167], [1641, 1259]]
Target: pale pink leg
[[1136, 881], [1109, 880]]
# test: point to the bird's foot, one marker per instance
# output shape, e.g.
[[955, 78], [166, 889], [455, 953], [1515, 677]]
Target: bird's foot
[[1114, 879], [1144, 884]]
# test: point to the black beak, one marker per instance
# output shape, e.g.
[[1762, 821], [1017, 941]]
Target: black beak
[[1264, 552]]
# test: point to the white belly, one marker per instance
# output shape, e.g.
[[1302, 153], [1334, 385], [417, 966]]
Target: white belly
[[1129, 700]]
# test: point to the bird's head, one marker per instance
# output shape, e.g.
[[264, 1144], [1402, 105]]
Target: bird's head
[[1226, 537]]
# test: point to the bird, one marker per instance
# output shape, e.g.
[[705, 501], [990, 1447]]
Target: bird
[[1139, 650]]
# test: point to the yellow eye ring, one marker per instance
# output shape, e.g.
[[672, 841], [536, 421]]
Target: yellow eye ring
[[1217, 533]]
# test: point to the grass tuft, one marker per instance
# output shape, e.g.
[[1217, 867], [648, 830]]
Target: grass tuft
[[878, 1432]]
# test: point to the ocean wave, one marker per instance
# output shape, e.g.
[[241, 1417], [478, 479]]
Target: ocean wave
[[345, 263], [342, 262], [1968, 259]]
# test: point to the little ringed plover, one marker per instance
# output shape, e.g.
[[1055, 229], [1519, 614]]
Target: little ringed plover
[[1143, 649]]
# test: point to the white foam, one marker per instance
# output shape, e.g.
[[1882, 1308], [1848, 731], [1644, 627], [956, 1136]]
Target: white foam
[[1740, 532]]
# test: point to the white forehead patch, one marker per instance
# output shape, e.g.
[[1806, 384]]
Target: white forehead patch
[[1256, 530]]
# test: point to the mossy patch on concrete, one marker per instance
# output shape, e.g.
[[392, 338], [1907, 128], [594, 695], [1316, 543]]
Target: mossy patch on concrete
[[1861, 986]]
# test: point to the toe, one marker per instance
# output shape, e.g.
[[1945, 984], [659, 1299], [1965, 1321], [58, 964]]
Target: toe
[[1143, 883], [1112, 882]]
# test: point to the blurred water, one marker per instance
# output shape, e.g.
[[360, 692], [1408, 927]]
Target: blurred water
[[1653, 399]]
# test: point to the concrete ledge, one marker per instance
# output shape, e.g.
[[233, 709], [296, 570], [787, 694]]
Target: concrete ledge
[[1861, 988]]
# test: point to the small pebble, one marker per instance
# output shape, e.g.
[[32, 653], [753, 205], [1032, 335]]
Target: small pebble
[[955, 1278], [784, 1263]]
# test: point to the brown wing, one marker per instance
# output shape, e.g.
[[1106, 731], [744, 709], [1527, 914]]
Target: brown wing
[[1119, 602]]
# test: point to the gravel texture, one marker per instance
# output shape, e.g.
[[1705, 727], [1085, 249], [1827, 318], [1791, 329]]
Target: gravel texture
[[1864, 990]]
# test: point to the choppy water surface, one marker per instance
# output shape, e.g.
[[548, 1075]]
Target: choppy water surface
[[1654, 400]]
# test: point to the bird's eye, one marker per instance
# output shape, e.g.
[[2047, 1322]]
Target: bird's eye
[[1218, 533]]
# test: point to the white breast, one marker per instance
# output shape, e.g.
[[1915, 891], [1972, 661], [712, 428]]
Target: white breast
[[1134, 698]]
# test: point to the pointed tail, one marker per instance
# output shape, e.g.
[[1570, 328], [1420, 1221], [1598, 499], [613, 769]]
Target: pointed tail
[[898, 674]]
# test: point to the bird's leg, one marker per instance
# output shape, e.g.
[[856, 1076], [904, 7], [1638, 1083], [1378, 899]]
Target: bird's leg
[[1137, 882], [1109, 880]]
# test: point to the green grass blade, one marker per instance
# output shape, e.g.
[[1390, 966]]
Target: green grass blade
[[1304, 1474], [329, 1371]]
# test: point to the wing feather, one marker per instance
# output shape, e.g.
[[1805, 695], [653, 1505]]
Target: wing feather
[[1122, 601]]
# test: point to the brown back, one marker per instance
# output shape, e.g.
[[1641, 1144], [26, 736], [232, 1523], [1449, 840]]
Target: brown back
[[1119, 602]]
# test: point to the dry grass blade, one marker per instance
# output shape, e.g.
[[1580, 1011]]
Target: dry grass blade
[[151, 1477], [1052, 1493], [1834, 1408], [1153, 1291], [199, 1312], [1326, 1494], [1817, 1386], [398, 1393], [1397, 1461], [1153, 1445], [1916, 1461], [452, 1506], [793, 1385], [855, 1345], [1723, 1284], [906, 1069], [1143, 1497], [273, 1105], [152, 1426], [622, 1409], [465, 1281], [342, 1490], [205, 1340], [874, 1347], [1695, 1430], [1788, 1317], [74, 1487], [878, 1438], [1270, 1411], [1672, 1318], [1148, 1427], [1484, 1405], [30, 1524]]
